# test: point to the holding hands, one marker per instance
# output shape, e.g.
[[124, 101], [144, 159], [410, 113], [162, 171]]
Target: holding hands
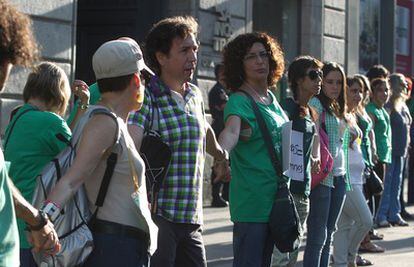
[[43, 236], [81, 90]]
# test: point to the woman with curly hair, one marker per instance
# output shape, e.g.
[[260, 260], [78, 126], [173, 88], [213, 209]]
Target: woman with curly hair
[[17, 44], [327, 198], [252, 63]]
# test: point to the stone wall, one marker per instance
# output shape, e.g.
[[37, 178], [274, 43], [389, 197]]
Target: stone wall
[[54, 29]]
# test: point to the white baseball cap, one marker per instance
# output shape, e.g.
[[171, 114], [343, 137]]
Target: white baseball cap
[[118, 58]]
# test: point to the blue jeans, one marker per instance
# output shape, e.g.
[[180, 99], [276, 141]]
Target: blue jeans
[[325, 207], [390, 207], [114, 250], [252, 245]]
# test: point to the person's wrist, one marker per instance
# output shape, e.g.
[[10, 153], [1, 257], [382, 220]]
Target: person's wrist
[[84, 106], [224, 156], [51, 209], [41, 220]]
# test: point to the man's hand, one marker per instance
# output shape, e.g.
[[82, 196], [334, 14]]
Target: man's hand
[[46, 240], [222, 171]]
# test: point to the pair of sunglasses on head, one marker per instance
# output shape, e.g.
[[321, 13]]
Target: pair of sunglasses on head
[[314, 74]]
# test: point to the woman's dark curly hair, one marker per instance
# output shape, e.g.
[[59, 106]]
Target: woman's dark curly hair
[[235, 51], [334, 106], [17, 44]]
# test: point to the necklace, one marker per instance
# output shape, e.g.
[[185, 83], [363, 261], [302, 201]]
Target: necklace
[[262, 99]]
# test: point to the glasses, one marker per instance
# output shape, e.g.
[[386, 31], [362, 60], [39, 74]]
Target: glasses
[[314, 74], [253, 56]]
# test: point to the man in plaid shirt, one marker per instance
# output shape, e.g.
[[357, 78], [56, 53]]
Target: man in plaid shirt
[[171, 49]]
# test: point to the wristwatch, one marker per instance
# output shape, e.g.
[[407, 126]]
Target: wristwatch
[[83, 106], [51, 209], [43, 221]]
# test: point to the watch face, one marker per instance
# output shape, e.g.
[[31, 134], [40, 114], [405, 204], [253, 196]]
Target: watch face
[[51, 210]]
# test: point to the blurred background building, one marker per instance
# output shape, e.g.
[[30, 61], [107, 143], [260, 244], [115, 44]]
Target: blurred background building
[[355, 33]]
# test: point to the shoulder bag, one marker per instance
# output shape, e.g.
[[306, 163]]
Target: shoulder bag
[[325, 155], [284, 222]]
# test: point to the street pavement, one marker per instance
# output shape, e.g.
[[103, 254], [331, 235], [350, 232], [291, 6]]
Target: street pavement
[[398, 242]]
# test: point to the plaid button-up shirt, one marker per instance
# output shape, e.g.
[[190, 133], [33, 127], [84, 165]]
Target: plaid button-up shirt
[[336, 138], [182, 126]]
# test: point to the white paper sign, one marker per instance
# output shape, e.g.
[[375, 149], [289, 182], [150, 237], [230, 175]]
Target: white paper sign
[[296, 164]]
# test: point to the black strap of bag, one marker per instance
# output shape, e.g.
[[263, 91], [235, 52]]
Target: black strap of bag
[[267, 140], [6, 140], [109, 171]]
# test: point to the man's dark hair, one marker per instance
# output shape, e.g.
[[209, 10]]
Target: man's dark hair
[[115, 84], [162, 34], [377, 71], [17, 44]]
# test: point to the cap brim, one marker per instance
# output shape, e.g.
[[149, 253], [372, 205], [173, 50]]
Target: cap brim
[[142, 66]]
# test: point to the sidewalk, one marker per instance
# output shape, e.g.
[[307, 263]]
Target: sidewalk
[[398, 242]]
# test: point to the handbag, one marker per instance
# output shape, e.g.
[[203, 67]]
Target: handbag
[[284, 222], [156, 155], [373, 183], [325, 155]]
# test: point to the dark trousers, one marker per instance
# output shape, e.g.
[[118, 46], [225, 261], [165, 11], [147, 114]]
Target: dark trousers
[[252, 245], [404, 176], [114, 250], [179, 244], [373, 201]]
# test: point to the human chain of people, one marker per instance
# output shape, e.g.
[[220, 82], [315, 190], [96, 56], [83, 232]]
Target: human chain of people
[[119, 181]]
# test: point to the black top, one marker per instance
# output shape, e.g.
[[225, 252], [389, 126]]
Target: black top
[[308, 128], [216, 98]]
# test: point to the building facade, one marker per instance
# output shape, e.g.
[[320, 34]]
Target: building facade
[[354, 33]]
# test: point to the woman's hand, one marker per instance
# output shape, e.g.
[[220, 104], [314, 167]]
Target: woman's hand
[[315, 165], [81, 90]]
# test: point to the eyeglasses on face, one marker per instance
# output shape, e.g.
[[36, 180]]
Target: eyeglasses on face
[[314, 74], [253, 56]]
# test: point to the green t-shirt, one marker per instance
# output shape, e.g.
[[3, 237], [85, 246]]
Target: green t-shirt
[[382, 130], [9, 237], [95, 96], [254, 181], [365, 124], [31, 145], [307, 127]]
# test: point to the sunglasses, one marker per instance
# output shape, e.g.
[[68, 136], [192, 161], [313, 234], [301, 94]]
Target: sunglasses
[[314, 74]]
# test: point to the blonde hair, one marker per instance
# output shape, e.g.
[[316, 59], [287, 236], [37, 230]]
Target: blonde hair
[[48, 83]]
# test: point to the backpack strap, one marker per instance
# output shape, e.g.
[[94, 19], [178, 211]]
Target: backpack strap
[[110, 161], [6, 139]]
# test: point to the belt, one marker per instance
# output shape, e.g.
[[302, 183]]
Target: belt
[[105, 227]]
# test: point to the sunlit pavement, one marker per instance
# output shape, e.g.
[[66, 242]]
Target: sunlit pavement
[[398, 242]]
